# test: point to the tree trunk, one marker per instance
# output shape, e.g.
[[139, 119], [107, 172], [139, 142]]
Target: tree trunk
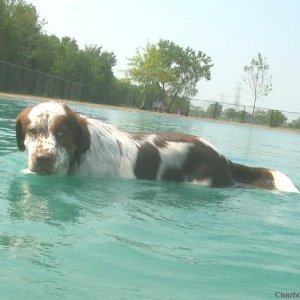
[[143, 105], [188, 108], [170, 105], [253, 110], [162, 94]]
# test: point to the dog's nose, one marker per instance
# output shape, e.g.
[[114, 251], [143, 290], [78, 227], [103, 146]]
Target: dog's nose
[[44, 157]]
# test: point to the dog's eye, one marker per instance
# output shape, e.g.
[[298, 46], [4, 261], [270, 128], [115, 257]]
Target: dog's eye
[[32, 132], [60, 134]]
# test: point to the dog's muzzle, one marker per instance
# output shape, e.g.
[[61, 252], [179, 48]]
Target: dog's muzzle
[[43, 163]]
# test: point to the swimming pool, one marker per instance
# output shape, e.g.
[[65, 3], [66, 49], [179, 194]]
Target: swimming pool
[[87, 238]]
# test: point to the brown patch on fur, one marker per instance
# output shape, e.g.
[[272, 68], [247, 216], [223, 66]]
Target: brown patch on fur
[[203, 162], [22, 123], [161, 140], [147, 162], [139, 136], [257, 177], [71, 132]]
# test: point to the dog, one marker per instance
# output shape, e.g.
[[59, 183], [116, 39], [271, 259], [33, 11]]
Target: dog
[[61, 141]]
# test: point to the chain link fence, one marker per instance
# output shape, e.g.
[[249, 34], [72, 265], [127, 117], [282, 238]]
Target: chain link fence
[[20, 80], [243, 114]]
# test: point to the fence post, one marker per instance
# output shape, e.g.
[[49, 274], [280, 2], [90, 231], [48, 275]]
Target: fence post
[[6, 76], [21, 84], [271, 121], [35, 82], [133, 100], [215, 112], [53, 88], [244, 112]]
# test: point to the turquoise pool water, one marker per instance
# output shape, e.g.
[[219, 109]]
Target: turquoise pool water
[[81, 238]]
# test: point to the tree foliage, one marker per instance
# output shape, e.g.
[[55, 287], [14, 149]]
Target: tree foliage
[[230, 114], [174, 70], [23, 42], [272, 118], [295, 123], [20, 30], [214, 110]]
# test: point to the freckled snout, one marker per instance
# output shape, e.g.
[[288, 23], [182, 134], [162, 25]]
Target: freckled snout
[[43, 162]]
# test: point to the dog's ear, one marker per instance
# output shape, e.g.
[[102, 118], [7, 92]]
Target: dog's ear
[[80, 132], [82, 138], [22, 122]]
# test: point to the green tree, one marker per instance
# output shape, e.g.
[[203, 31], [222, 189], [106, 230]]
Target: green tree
[[95, 73], [186, 68], [175, 71], [244, 116], [270, 118], [19, 31], [214, 110], [257, 79], [23, 42], [124, 93], [277, 118], [261, 117], [146, 68], [230, 114], [198, 112], [66, 58], [44, 53], [295, 123]]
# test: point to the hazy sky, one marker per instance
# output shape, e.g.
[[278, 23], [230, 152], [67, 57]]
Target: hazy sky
[[232, 32]]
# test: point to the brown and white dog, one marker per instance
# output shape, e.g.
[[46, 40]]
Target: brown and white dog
[[60, 141]]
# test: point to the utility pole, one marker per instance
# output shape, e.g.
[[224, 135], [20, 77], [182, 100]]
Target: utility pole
[[237, 96]]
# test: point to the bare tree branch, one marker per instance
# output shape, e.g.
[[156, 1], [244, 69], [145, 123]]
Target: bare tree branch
[[257, 79]]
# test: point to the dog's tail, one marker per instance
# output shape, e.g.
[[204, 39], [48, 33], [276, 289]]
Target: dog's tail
[[262, 178]]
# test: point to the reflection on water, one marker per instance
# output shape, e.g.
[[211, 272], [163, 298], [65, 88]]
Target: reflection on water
[[8, 112], [29, 247], [43, 199]]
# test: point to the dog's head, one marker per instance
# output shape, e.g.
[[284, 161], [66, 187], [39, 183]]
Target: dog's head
[[54, 136]]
